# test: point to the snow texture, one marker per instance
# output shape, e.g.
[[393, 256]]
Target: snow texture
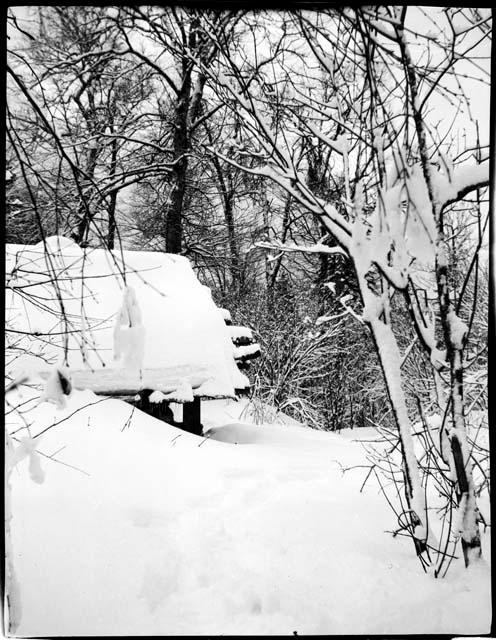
[[255, 532]]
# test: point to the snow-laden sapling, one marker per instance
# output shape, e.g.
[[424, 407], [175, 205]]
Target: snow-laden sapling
[[129, 333], [57, 387], [13, 603], [27, 448]]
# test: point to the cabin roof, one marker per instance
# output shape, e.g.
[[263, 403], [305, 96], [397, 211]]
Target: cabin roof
[[184, 330]]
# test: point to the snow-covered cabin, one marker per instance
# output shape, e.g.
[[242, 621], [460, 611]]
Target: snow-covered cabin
[[122, 322]]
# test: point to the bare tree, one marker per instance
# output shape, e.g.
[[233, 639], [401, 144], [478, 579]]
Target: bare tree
[[375, 125], [187, 40], [320, 124]]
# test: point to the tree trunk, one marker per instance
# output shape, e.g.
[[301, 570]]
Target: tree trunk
[[236, 272], [471, 543], [188, 106], [112, 226], [457, 435], [285, 229], [84, 214], [228, 195], [174, 210], [389, 358]]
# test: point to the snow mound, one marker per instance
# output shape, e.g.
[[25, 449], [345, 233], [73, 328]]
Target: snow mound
[[142, 529], [244, 433]]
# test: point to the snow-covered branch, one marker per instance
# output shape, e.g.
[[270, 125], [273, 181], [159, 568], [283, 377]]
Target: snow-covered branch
[[464, 180], [290, 247]]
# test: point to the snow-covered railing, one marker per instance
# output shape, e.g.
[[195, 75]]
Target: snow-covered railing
[[148, 387], [178, 384], [247, 352], [244, 348], [240, 335]]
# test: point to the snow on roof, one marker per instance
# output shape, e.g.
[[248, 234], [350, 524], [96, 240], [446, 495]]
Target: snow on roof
[[183, 327]]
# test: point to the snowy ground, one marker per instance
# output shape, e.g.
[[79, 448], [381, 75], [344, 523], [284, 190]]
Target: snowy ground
[[254, 530]]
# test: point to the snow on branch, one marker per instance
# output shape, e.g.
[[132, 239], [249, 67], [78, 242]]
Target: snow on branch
[[463, 181], [296, 187], [338, 145], [315, 248]]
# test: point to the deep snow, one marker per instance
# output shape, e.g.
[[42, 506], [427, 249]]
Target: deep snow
[[251, 530]]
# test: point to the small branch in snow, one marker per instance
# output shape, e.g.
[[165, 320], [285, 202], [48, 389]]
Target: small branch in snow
[[205, 438], [55, 424], [173, 441], [65, 464], [127, 424]]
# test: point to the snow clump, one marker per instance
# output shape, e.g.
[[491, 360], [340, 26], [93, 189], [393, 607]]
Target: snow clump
[[129, 332]]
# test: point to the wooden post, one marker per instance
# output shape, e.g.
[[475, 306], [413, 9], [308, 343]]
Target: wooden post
[[159, 410], [192, 416], [144, 402]]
